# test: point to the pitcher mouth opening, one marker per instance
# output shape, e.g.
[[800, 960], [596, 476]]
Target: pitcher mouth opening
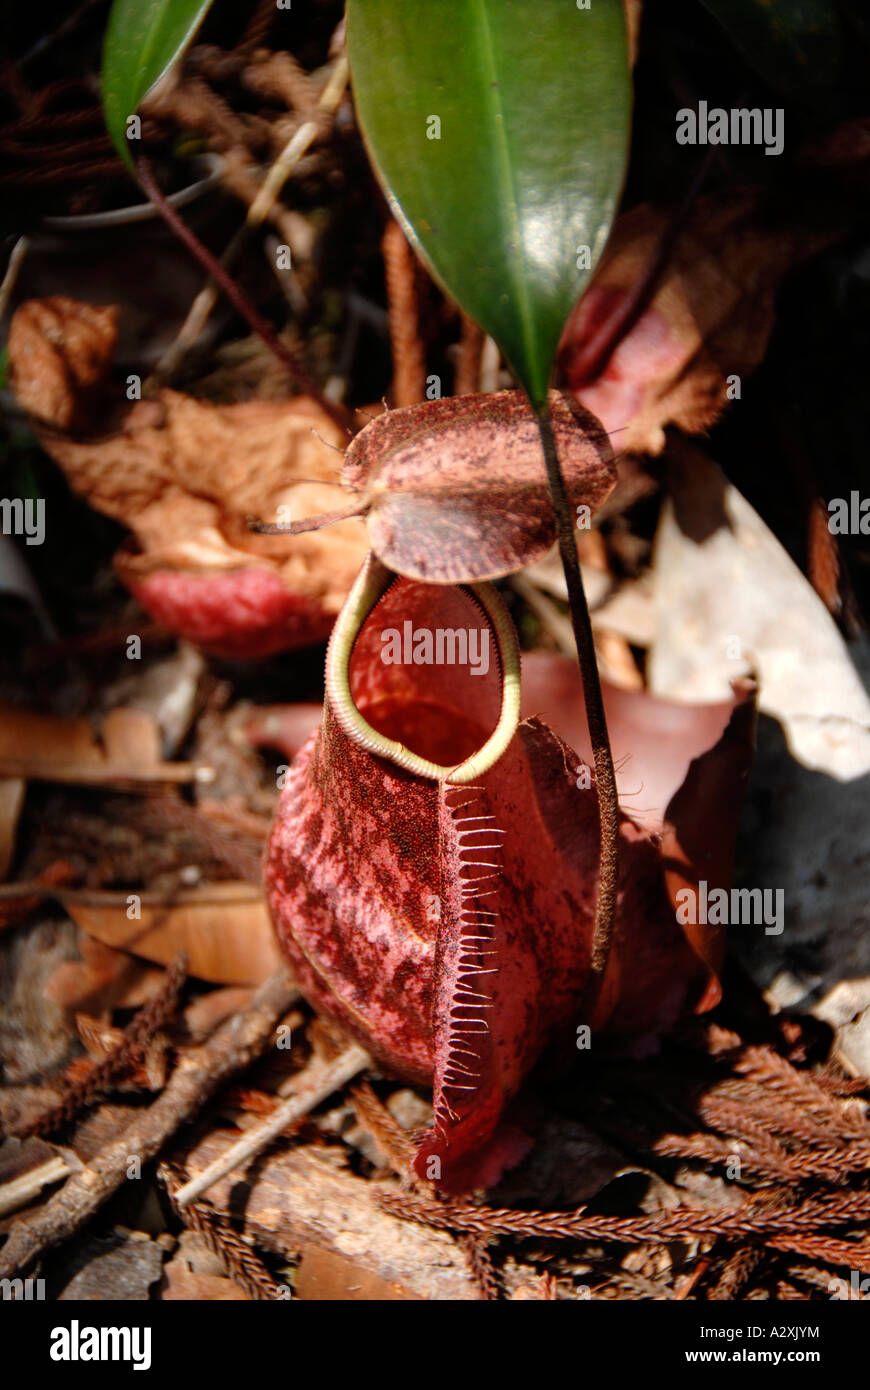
[[427, 676]]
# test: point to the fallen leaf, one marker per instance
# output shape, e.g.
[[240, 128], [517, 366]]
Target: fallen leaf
[[196, 1273], [204, 1014], [806, 834], [653, 740], [285, 727], [327, 1277], [185, 475], [18, 909], [706, 326], [103, 980], [729, 599], [223, 927], [54, 748], [46, 738]]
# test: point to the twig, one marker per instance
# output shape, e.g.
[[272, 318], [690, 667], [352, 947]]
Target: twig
[[96, 897], [16, 257], [238, 298], [258, 211], [198, 1075], [605, 778], [852, 1254], [327, 1079], [21, 1191], [111, 775], [128, 1054]]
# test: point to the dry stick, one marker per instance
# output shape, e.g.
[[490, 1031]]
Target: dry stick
[[341, 417], [97, 897], [93, 775], [198, 1075], [605, 779], [327, 1080], [257, 212], [20, 1192], [19, 251]]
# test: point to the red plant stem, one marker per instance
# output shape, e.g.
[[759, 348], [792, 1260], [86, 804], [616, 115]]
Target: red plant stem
[[237, 297], [605, 779]]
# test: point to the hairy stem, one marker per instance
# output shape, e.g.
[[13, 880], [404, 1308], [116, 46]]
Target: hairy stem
[[237, 297], [605, 780]]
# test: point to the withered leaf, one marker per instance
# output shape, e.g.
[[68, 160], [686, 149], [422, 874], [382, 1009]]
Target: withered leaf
[[103, 980], [719, 569], [185, 475], [224, 928], [707, 324]]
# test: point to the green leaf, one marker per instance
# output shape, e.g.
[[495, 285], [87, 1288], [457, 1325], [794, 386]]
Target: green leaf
[[143, 39], [534, 104], [796, 46]]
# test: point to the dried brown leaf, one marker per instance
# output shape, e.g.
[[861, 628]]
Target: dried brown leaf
[[224, 928], [185, 475], [707, 323]]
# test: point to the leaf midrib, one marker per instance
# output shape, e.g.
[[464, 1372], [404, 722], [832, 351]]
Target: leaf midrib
[[516, 257]]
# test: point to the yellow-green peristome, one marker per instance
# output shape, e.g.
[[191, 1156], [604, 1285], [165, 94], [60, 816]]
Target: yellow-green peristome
[[371, 584]]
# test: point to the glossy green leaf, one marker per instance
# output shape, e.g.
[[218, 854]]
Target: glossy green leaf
[[143, 39], [796, 46], [499, 129]]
